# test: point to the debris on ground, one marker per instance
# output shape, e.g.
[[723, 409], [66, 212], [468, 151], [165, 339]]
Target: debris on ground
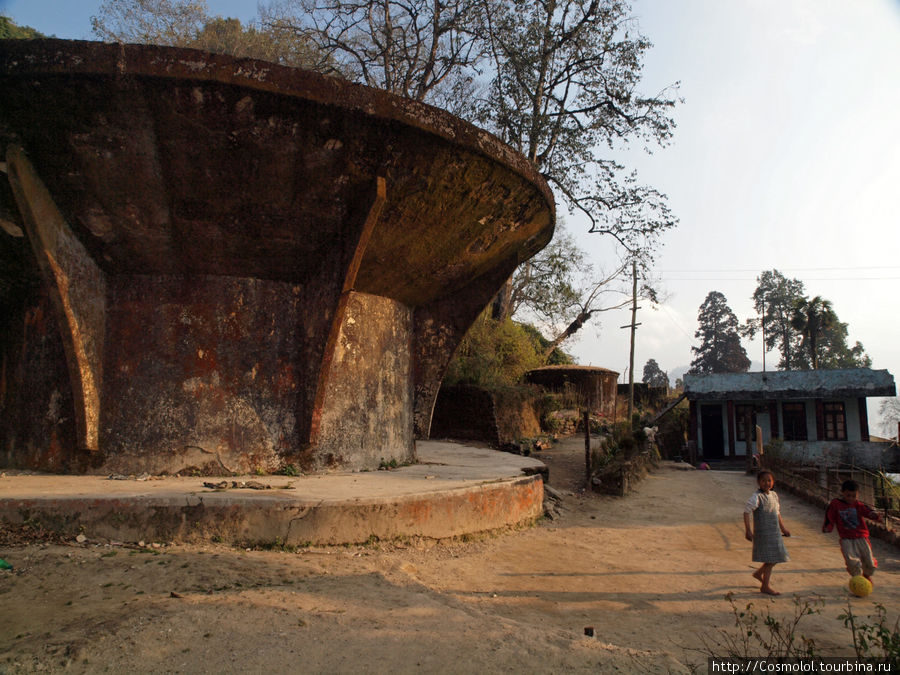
[[249, 485]]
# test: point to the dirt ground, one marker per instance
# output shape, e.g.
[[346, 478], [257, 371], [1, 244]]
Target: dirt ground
[[649, 572]]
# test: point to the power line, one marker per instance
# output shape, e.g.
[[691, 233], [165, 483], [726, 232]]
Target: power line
[[753, 279], [793, 269], [676, 323]]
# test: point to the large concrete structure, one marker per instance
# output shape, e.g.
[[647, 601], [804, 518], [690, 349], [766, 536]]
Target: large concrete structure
[[229, 265]]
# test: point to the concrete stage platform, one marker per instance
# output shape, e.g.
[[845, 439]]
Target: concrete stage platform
[[456, 489]]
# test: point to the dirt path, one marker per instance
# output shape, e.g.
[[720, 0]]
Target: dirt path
[[649, 572]]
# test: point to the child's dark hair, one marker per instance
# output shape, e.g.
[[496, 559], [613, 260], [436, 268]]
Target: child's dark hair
[[764, 472], [849, 486]]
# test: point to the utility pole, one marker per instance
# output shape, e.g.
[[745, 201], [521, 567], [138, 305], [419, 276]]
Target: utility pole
[[633, 326], [762, 323]]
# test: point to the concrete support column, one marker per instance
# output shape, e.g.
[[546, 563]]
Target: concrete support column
[[694, 423], [731, 435], [820, 419], [863, 419], [366, 413], [439, 328], [77, 288]]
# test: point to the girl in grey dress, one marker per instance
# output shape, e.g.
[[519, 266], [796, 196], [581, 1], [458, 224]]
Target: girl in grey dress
[[767, 530]]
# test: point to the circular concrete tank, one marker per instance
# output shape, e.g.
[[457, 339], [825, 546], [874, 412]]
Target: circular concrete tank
[[226, 265], [592, 386]]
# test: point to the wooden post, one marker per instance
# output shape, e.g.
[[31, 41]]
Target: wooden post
[[587, 450], [759, 446]]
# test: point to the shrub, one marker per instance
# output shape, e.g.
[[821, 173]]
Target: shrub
[[493, 354], [878, 640]]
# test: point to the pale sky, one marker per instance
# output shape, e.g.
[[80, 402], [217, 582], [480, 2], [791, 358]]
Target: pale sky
[[786, 156]]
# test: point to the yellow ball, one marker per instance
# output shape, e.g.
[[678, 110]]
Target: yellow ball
[[860, 586]]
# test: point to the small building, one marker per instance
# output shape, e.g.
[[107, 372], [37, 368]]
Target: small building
[[817, 414], [594, 387]]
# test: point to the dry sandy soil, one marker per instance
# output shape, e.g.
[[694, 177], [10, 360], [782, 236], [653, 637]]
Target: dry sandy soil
[[649, 572]]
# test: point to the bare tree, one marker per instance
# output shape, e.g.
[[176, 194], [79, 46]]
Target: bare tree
[[426, 50], [566, 86], [161, 22], [187, 23], [890, 416], [559, 291]]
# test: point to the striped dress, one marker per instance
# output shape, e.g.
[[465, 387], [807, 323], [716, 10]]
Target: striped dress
[[768, 544]]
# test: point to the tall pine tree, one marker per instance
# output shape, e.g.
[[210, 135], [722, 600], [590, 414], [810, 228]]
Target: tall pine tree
[[774, 299], [720, 349]]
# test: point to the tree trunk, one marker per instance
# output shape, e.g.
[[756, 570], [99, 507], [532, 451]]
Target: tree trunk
[[501, 305], [573, 328]]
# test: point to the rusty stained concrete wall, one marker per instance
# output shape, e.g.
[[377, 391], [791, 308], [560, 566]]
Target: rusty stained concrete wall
[[203, 372], [37, 420], [594, 386], [366, 415], [229, 206]]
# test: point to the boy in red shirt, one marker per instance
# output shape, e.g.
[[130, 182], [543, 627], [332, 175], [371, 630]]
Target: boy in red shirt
[[849, 515]]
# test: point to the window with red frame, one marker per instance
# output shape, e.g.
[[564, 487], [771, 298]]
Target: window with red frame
[[741, 412], [835, 421]]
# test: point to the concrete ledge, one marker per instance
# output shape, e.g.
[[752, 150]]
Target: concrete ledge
[[454, 490]]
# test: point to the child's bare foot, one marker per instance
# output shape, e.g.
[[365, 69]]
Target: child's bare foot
[[758, 575], [768, 590]]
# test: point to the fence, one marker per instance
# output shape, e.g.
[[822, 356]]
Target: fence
[[824, 483]]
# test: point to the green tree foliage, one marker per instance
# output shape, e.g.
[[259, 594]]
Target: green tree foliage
[[550, 355], [824, 337], [775, 298], [228, 36], [654, 376], [10, 31], [833, 351], [720, 349], [495, 353], [806, 331], [812, 317]]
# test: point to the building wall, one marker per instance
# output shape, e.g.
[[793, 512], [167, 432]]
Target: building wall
[[851, 408], [851, 414], [874, 456]]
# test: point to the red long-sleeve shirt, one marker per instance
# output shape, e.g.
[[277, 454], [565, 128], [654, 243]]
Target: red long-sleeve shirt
[[849, 518]]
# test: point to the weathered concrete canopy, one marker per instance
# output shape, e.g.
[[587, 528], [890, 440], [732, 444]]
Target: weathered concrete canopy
[[847, 383], [246, 264], [596, 386]]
